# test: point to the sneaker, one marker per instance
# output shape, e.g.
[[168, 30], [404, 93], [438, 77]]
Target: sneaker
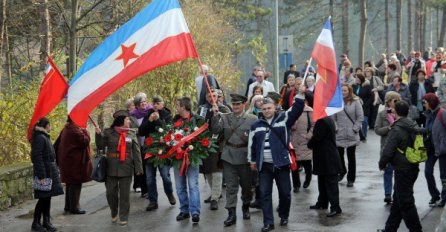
[[138, 190], [195, 218], [349, 184], [388, 199], [434, 200]]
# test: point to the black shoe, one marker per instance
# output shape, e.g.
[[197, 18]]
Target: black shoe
[[306, 184], [183, 216], [214, 205], [296, 190], [172, 199], [434, 200], [144, 195], [442, 203], [284, 221], [350, 184], [246, 213], [47, 224], [77, 211], [388, 199], [232, 218], [208, 200], [341, 177], [195, 218], [316, 206], [37, 227], [152, 206], [380, 230], [277, 209], [255, 204], [267, 228], [66, 210], [334, 213]]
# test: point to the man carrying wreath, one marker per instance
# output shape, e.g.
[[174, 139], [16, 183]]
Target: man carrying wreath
[[235, 128]]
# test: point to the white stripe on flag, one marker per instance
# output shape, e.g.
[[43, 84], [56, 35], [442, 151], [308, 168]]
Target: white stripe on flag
[[325, 38], [169, 24]]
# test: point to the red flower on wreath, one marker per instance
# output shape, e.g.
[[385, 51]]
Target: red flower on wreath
[[178, 137], [179, 155], [167, 138], [149, 141], [186, 129], [205, 142], [148, 155], [177, 123]]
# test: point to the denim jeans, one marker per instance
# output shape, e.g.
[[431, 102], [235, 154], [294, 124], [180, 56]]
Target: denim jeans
[[151, 181], [429, 174], [365, 125], [403, 207], [388, 180], [189, 201], [281, 176]]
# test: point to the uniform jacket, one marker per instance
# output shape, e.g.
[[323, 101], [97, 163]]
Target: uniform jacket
[[235, 130], [326, 159], [74, 154], [347, 133], [43, 158], [282, 124], [400, 136], [300, 135], [109, 139]]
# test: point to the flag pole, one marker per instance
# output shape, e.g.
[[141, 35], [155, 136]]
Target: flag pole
[[308, 68], [92, 121], [206, 81]]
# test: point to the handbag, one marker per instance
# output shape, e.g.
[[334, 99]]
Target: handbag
[[289, 147], [99, 173], [361, 133], [44, 185]]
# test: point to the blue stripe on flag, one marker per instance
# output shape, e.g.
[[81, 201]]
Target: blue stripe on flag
[[110, 44]]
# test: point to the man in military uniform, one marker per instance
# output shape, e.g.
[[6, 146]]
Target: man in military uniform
[[236, 170]]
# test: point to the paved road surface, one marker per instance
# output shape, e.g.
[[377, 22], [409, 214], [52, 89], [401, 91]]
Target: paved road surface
[[363, 208]]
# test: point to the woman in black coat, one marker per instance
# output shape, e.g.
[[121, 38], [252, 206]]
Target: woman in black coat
[[326, 164], [43, 158], [363, 90]]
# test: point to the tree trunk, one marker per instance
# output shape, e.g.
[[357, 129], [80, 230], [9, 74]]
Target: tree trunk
[[345, 33], [417, 25], [386, 21], [409, 26], [443, 27], [398, 24], [332, 14], [363, 32], [423, 27], [2, 36], [437, 23], [45, 33], [73, 39], [8, 44]]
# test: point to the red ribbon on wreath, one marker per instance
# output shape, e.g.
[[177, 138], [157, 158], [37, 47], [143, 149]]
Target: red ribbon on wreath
[[185, 164]]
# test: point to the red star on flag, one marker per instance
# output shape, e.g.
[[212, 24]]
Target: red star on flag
[[127, 54]]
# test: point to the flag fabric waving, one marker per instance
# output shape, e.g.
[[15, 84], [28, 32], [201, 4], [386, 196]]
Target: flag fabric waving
[[327, 93], [156, 36], [53, 89]]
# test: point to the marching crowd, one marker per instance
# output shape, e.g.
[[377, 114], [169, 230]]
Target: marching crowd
[[264, 136]]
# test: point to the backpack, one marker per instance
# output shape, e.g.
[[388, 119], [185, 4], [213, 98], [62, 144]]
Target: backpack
[[417, 152]]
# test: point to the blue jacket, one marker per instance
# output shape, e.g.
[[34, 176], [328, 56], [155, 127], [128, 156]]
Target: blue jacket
[[282, 124]]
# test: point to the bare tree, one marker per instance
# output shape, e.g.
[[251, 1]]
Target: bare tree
[[45, 33], [345, 33], [443, 27], [2, 35], [409, 26], [363, 32], [417, 25], [423, 26], [331, 11], [398, 24]]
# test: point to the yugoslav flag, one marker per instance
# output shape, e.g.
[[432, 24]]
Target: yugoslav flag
[[156, 36], [327, 93]]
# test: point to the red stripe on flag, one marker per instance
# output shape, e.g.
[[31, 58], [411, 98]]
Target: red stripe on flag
[[170, 50], [325, 57]]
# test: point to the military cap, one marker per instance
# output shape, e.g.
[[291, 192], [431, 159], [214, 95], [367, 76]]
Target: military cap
[[237, 98], [275, 96], [121, 113]]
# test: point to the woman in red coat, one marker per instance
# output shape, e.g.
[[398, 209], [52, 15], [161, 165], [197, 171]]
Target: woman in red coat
[[73, 154]]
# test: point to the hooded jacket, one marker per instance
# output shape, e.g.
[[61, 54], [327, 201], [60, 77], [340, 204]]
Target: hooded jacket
[[401, 135]]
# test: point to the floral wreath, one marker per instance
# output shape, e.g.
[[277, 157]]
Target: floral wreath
[[181, 144]]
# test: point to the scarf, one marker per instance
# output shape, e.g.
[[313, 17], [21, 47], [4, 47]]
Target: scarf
[[291, 97], [122, 146], [138, 114], [421, 93]]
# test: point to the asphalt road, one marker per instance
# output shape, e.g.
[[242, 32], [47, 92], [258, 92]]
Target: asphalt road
[[363, 207]]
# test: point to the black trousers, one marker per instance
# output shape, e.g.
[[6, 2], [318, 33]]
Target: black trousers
[[328, 192], [351, 156], [373, 115], [72, 196], [43, 206], [421, 121], [403, 207], [140, 181], [308, 172]]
